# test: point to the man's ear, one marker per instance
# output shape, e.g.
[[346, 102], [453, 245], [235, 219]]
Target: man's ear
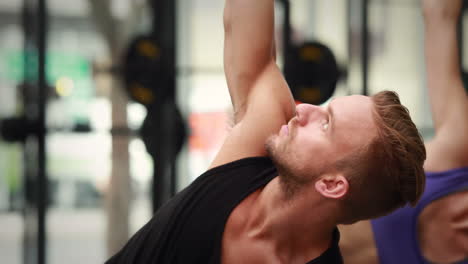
[[332, 186]]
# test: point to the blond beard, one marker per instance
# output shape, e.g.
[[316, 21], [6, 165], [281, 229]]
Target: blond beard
[[290, 180]]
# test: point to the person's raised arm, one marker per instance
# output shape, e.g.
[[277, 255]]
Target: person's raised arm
[[448, 98], [260, 96], [449, 102]]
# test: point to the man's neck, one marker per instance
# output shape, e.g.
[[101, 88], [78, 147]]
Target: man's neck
[[296, 225]]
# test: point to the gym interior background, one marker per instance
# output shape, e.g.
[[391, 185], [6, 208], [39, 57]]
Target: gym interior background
[[94, 94]]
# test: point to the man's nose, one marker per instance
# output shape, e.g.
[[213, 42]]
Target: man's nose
[[309, 112]]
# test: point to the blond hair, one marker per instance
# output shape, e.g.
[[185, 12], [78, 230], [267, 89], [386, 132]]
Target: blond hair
[[388, 172]]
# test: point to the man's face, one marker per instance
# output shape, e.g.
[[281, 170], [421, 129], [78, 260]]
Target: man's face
[[317, 137]]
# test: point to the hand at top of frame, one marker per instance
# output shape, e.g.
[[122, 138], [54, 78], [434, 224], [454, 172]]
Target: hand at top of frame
[[441, 9]]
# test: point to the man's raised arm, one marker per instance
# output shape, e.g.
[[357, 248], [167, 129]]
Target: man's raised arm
[[260, 96], [248, 46]]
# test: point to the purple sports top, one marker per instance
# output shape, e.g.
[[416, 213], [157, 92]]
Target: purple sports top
[[396, 234]]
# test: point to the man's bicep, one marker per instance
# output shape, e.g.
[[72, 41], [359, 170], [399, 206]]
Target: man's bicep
[[269, 106], [248, 46]]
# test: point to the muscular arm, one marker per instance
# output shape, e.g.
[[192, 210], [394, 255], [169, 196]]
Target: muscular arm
[[248, 44], [449, 102], [449, 148], [260, 96]]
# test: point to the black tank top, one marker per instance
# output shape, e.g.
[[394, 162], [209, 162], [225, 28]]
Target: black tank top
[[189, 228]]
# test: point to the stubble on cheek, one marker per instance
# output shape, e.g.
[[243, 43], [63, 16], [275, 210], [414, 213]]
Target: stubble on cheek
[[270, 145]]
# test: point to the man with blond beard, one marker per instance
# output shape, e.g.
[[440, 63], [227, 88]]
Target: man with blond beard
[[286, 175]]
